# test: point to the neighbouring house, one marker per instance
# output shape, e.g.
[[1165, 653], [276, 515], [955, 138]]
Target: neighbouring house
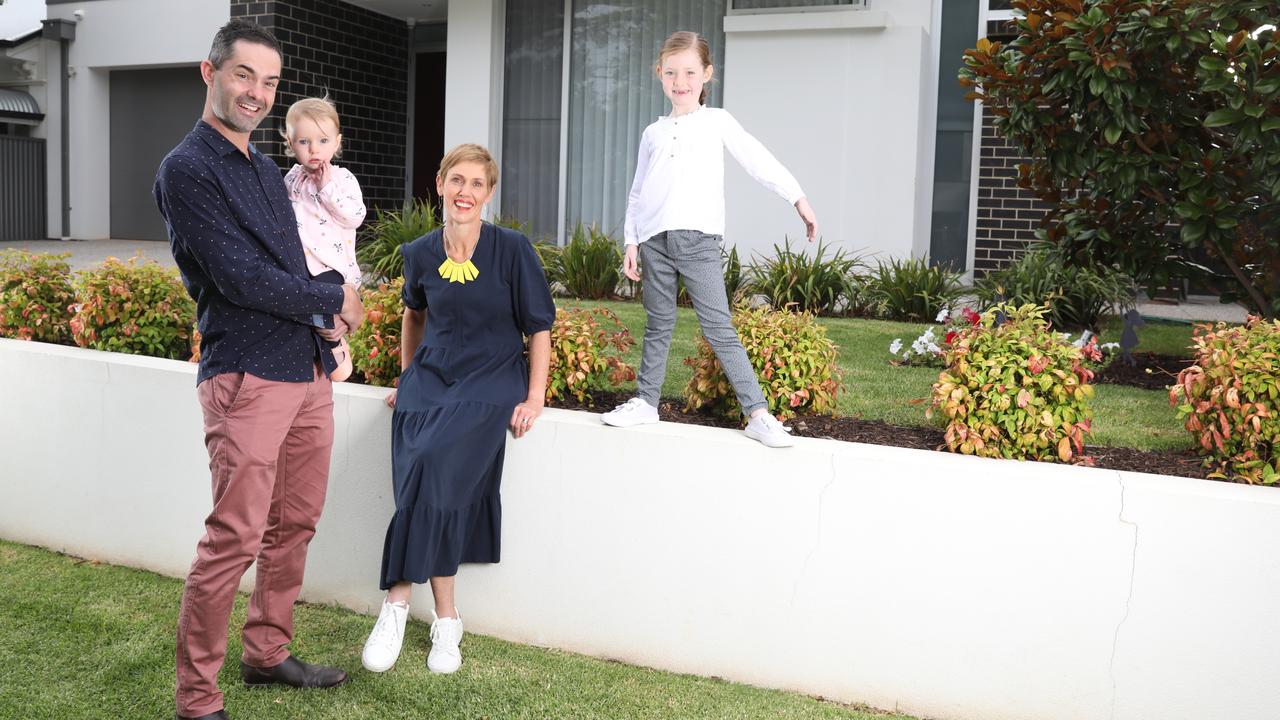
[[857, 97]]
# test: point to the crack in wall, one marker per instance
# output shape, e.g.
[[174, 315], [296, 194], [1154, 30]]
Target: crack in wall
[[817, 539], [1133, 569]]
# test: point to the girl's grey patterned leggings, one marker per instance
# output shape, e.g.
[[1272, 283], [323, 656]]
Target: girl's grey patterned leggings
[[695, 256]]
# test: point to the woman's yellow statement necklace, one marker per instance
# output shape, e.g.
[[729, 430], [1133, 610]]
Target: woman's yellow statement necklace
[[457, 272]]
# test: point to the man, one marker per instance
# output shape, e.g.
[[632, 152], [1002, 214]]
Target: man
[[268, 403]]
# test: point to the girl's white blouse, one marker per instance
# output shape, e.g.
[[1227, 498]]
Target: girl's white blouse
[[679, 182]]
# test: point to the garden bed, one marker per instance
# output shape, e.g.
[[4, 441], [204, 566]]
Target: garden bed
[[876, 432]]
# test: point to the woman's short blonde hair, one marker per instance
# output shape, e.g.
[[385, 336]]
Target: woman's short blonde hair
[[469, 152], [315, 110]]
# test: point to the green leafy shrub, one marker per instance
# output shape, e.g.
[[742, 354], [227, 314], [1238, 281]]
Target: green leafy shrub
[[737, 283], [794, 361], [375, 345], [912, 289], [1139, 117], [818, 283], [137, 308], [1014, 389], [1230, 399], [590, 264], [585, 354], [1078, 296], [35, 296], [378, 251], [549, 256], [512, 222]]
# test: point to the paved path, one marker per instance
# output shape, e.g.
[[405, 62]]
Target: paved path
[[86, 254]]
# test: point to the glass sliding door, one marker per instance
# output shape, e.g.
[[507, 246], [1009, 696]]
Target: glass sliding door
[[534, 70]]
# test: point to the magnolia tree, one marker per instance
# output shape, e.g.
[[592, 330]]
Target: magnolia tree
[[1154, 128]]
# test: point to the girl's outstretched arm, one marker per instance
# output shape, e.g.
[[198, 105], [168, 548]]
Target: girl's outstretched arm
[[765, 169]]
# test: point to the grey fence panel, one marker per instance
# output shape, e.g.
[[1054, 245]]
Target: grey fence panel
[[22, 188]]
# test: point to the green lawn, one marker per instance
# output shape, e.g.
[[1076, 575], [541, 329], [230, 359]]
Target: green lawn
[[83, 640], [876, 390]]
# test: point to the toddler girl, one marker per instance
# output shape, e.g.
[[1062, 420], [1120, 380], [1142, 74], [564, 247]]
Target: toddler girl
[[326, 201]]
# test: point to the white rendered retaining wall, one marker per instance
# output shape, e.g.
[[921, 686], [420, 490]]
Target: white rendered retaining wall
[[942, 586]]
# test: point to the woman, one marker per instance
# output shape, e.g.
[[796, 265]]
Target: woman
[[464, 380]]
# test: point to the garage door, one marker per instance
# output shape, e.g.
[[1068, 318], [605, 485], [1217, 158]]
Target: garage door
[[150, 112]]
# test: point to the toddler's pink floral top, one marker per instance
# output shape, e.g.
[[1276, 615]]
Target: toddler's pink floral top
[[327, 220]]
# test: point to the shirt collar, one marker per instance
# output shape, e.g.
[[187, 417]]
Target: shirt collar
[[217, 141], [684, 116]]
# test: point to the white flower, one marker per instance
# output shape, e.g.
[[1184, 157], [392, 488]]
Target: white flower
[[906, 355], [895, 346], [943, 314], [933, 348], [1106, 347]]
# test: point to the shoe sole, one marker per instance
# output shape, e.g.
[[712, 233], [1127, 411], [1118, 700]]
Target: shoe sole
[[627, 423], [265, 685], [373, 669]]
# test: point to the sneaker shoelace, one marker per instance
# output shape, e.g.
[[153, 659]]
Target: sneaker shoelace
[[445, 635], [386, 629], [632, 404], [773, 424]]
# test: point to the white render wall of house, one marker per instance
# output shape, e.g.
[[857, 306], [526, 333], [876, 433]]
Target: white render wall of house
[[116, 35], [946, 587], [473, 77], [842, 99]]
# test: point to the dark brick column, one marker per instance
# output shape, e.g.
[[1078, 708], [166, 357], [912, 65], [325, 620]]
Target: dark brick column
[[361, 59], [1007, 216]]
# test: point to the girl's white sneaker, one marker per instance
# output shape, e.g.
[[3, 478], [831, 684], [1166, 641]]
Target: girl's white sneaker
[[769, 430], [446, 634], [632, 412], [384, 643]]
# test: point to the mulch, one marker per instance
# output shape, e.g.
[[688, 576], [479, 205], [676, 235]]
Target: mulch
[[1148, 371], [1145, 370]]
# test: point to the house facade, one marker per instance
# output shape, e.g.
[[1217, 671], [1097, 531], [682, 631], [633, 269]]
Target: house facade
[[856, 97]]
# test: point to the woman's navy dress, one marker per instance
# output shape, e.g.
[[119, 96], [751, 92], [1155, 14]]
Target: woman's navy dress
[[455, 400]]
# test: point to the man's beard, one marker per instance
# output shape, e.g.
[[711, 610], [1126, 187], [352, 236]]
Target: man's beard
[[226, 111]]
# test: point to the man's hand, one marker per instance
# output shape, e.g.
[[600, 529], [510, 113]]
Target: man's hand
[[352, 309], [339, 330]]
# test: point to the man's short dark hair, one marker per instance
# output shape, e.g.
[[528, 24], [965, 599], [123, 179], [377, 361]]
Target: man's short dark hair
[[239, 29]]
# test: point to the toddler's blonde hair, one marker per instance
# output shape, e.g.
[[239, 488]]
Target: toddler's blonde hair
[[315, 110]]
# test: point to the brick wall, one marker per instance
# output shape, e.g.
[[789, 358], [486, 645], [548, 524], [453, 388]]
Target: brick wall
[[1007, 216], [361, 58]]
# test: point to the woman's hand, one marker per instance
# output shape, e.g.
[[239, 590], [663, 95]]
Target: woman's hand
[[630, 265], [390, 400], [810, 220], [523, 417]]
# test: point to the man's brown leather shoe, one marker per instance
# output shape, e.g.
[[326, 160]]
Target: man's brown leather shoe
[[292, 672], [220, 715]]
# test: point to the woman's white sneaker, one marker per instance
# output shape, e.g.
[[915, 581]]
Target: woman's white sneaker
[[769, 430], [446, 635], [384, 643], [632, 412]]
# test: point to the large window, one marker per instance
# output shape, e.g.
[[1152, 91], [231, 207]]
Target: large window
[[531, 114], [599, 104]]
